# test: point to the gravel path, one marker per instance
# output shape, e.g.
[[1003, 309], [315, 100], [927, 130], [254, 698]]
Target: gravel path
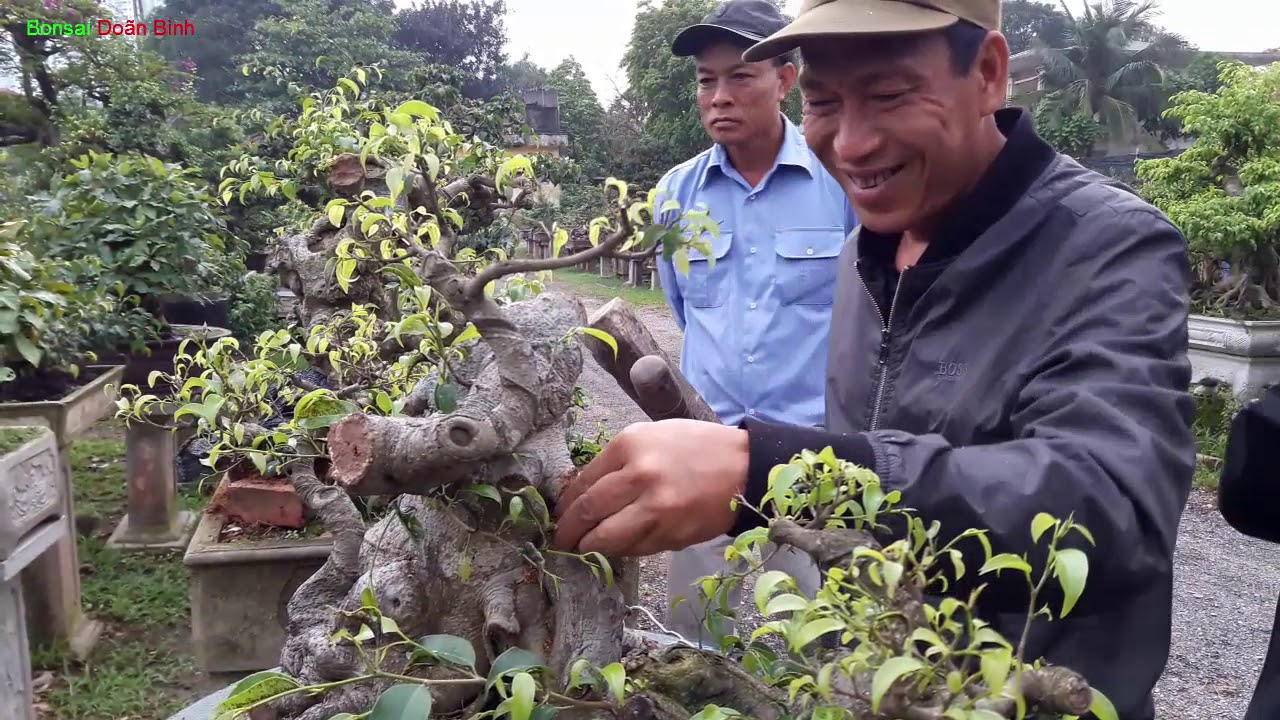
[[1225, 584]]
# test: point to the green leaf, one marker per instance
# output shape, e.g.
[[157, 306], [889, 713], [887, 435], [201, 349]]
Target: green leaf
[[1005, 561], [787, 602], [512, 660], [765, 585], [468, 333], [813, 630], [29, 352], [1102, 708], [1042, 522], [449, 648], [384, 402], [403, 702], [888, 674], [602, 336], [615, 676], [995, 664], [417, 108], [487, 491], [256, 688], [446, 397], [395, 181], [1071, 567], [336, 212], [367, 598], [523, 688]]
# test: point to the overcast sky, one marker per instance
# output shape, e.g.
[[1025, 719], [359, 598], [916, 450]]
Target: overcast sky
[[596, 31]]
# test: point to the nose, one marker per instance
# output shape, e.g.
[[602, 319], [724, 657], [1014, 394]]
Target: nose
[[856, 140], [720, 96]]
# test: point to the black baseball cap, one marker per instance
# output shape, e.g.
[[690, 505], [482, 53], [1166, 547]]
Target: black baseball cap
[[747, 20]]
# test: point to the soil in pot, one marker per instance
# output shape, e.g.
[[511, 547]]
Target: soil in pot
[[138, 366], [46, 384]]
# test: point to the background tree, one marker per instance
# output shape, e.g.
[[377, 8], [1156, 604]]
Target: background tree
[[311, 43], [524, 74], [581, 115], [466, 34], [1025, 21], [225, 33], [1224, 191], [1111, 64]]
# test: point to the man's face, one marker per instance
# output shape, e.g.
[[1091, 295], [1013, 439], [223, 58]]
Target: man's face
[[739, 101], [896, 125]]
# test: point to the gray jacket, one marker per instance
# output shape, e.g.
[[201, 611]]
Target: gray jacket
[[1043, 367]]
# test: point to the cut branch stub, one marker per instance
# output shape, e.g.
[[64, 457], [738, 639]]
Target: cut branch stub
[[659, 376], [346, 178]]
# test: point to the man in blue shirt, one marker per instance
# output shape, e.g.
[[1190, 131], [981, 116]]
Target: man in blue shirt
[[755, 325]]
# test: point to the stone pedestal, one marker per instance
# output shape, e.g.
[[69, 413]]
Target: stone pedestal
[[152, 520], [16, 692], [51, 583]]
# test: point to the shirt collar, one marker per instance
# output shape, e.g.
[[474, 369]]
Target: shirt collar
[[794, 152]]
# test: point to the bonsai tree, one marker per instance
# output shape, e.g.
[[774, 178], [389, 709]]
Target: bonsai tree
[[440, 380], [51, 321], [1224, 191], [149, 223]]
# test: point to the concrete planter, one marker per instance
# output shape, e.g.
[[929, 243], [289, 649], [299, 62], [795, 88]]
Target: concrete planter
[[1244, 354], [69, 416], [239, 593], [30, 490]]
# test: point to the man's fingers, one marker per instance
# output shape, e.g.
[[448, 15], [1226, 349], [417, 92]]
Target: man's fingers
[[610, 458], [597, 502], [625, 534]]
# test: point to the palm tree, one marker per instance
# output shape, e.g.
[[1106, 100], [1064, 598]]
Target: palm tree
[[1110, 63]]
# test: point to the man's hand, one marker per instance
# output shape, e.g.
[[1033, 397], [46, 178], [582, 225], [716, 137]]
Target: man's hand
[[656, 486]]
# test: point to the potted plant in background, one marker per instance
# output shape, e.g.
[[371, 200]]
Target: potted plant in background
[[1224, 193], [152, 228]]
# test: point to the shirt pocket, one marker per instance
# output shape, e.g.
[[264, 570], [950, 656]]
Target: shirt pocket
[[706, 286], [807, 264]]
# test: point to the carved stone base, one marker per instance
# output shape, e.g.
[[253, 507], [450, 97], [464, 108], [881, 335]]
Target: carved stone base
[[1245, 355]]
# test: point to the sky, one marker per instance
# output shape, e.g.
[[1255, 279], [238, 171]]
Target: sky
[[596, 31]]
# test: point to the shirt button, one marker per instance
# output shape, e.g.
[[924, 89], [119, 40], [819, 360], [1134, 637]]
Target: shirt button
[[751, 358], [753, 412], [751, 197], [753, 251], [809, 251], [752, 306]]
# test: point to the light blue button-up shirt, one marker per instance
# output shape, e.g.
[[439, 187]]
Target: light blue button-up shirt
[[755, 327]]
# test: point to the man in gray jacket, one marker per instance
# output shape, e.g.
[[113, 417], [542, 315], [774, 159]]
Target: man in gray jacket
[[1009, 338]]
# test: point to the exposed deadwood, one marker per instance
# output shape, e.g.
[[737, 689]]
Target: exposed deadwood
[[694, 678]]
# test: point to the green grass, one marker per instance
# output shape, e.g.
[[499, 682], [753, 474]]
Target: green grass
[[13, 438], [142, 668], [592, 284]]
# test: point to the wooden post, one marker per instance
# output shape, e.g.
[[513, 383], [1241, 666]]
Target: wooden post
[[152, 520]]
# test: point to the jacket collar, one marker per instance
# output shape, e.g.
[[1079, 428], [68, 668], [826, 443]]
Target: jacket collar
[[794, 152], [1024, 158]]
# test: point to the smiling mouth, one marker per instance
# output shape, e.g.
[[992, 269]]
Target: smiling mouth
[[869, 182]]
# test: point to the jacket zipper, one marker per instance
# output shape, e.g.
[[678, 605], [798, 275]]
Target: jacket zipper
[[884, 340]]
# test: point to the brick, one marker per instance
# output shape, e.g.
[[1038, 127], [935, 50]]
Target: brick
[[255, 501]]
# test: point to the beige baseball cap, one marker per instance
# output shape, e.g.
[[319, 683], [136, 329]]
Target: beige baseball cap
[[836, 18]]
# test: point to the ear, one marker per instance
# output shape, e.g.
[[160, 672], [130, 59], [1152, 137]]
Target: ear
[[787, 80], [991, 68]]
